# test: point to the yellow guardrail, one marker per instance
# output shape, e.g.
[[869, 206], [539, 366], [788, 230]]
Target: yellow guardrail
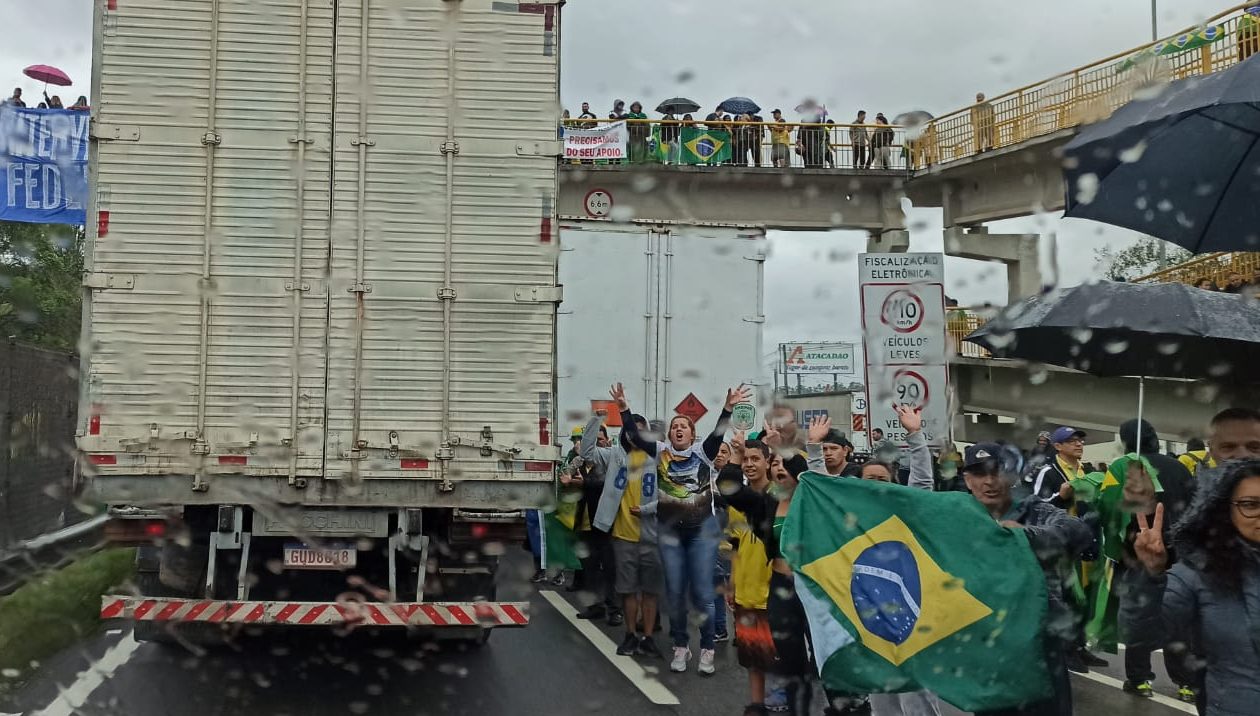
[[1093, 91], [960, 323], [808, 144], [1221, 269]]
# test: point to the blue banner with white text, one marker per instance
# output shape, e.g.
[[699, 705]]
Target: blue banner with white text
[[43, 165]]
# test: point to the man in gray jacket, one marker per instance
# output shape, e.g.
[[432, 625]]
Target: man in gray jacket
[[627, 512], [991, 471]]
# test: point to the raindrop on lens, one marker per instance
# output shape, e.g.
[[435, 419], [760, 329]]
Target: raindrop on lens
[[1115, 347]]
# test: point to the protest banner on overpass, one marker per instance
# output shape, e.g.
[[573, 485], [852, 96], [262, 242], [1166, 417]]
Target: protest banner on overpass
[[44, 153]]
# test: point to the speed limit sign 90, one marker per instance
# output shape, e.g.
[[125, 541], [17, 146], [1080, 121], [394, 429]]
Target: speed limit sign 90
[[598, 203], [909, 387]]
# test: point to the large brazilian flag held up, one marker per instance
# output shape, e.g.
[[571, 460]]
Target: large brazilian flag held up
[[907, 589], [694, 145]]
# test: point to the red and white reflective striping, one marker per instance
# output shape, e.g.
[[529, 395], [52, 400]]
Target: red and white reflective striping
[[424, 614]]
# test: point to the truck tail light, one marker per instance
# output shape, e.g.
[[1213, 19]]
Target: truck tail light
[[135, 531], [102, 459]]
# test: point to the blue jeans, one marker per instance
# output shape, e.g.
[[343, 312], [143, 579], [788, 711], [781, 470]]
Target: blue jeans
[[688, 555], [721, 573]]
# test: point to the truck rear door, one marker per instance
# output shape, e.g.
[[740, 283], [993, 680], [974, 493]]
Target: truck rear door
[[443, 281], [208, 242]]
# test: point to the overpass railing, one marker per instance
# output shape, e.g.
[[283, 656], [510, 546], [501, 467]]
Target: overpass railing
[[959, 323], [1219, 268], [1093, 91], [810, 145]]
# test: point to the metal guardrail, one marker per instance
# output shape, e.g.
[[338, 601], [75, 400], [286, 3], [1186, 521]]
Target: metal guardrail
[[811, 145], [29, 558], [959, 323], [1093, 91], [1219, 268]]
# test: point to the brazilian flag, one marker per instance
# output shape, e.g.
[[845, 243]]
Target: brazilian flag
[[907, 590], [1177, 45], [695, 145]]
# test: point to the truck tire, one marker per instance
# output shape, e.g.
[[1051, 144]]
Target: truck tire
[[149, 585], [183, 566], [480, 637]]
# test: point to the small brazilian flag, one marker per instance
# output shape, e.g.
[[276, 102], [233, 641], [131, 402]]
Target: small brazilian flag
[[907, 589]]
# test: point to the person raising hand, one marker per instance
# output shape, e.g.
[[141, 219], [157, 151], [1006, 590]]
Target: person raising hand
[[687, 524]]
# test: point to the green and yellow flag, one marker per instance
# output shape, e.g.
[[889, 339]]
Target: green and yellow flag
[[907, 590], [1178, 44], [694, 145]]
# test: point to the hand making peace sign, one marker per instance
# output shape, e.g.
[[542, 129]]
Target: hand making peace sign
[[1149, 543]]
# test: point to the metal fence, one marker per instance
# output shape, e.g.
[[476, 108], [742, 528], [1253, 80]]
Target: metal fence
[[1218, 268], [1094, 91], [959, 323], [851, 147], [39, 392]]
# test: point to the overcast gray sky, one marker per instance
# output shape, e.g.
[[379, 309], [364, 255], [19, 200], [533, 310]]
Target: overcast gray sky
[[889, 56]]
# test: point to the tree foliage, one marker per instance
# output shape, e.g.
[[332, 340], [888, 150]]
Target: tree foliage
[[41, 274], [1138, 259]]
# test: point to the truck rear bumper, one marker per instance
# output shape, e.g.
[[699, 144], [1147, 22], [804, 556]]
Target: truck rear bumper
[[530, 490], [344, 613]]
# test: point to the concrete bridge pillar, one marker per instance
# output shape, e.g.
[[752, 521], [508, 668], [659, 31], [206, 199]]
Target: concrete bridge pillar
[[1019, 252], [891, 241]]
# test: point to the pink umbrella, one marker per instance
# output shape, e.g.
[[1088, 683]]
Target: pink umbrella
[[47, 74]]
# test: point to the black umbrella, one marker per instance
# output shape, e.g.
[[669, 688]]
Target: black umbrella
[[1112, 329], [914, 118], [1183, 166], [677, 105], [739, 105], [1149, 330]]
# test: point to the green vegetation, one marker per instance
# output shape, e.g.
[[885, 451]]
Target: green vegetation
[[41, 272], [1139, 259], [57, 609]]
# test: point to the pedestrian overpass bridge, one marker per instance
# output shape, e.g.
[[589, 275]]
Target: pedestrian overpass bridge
[[977, 164]]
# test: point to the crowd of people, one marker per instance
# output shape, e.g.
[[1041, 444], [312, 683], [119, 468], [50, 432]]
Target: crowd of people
[[50, 102], [691, 524], [816, 139], [1235, 282]]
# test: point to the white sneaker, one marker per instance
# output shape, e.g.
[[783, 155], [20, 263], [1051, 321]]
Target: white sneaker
[[706, 667], [681, 656]]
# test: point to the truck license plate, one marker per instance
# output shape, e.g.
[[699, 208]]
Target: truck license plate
[[330, 556]]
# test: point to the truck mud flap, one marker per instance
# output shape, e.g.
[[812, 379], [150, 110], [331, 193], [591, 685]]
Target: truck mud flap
[[343, 613]]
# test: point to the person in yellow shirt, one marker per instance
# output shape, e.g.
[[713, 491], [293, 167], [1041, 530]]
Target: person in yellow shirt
[[1196, 454], [780, 141], [750, 506], [627, 511]]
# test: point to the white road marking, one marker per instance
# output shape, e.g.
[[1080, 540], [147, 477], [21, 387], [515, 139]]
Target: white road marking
[[72, 698], [654, 690], [1158, 698]]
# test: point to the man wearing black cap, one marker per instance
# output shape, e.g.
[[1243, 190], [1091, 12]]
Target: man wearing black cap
[[991, 470], [827, 451], [1052, 482]]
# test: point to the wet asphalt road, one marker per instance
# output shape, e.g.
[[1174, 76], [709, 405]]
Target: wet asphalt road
[[549, 668]]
